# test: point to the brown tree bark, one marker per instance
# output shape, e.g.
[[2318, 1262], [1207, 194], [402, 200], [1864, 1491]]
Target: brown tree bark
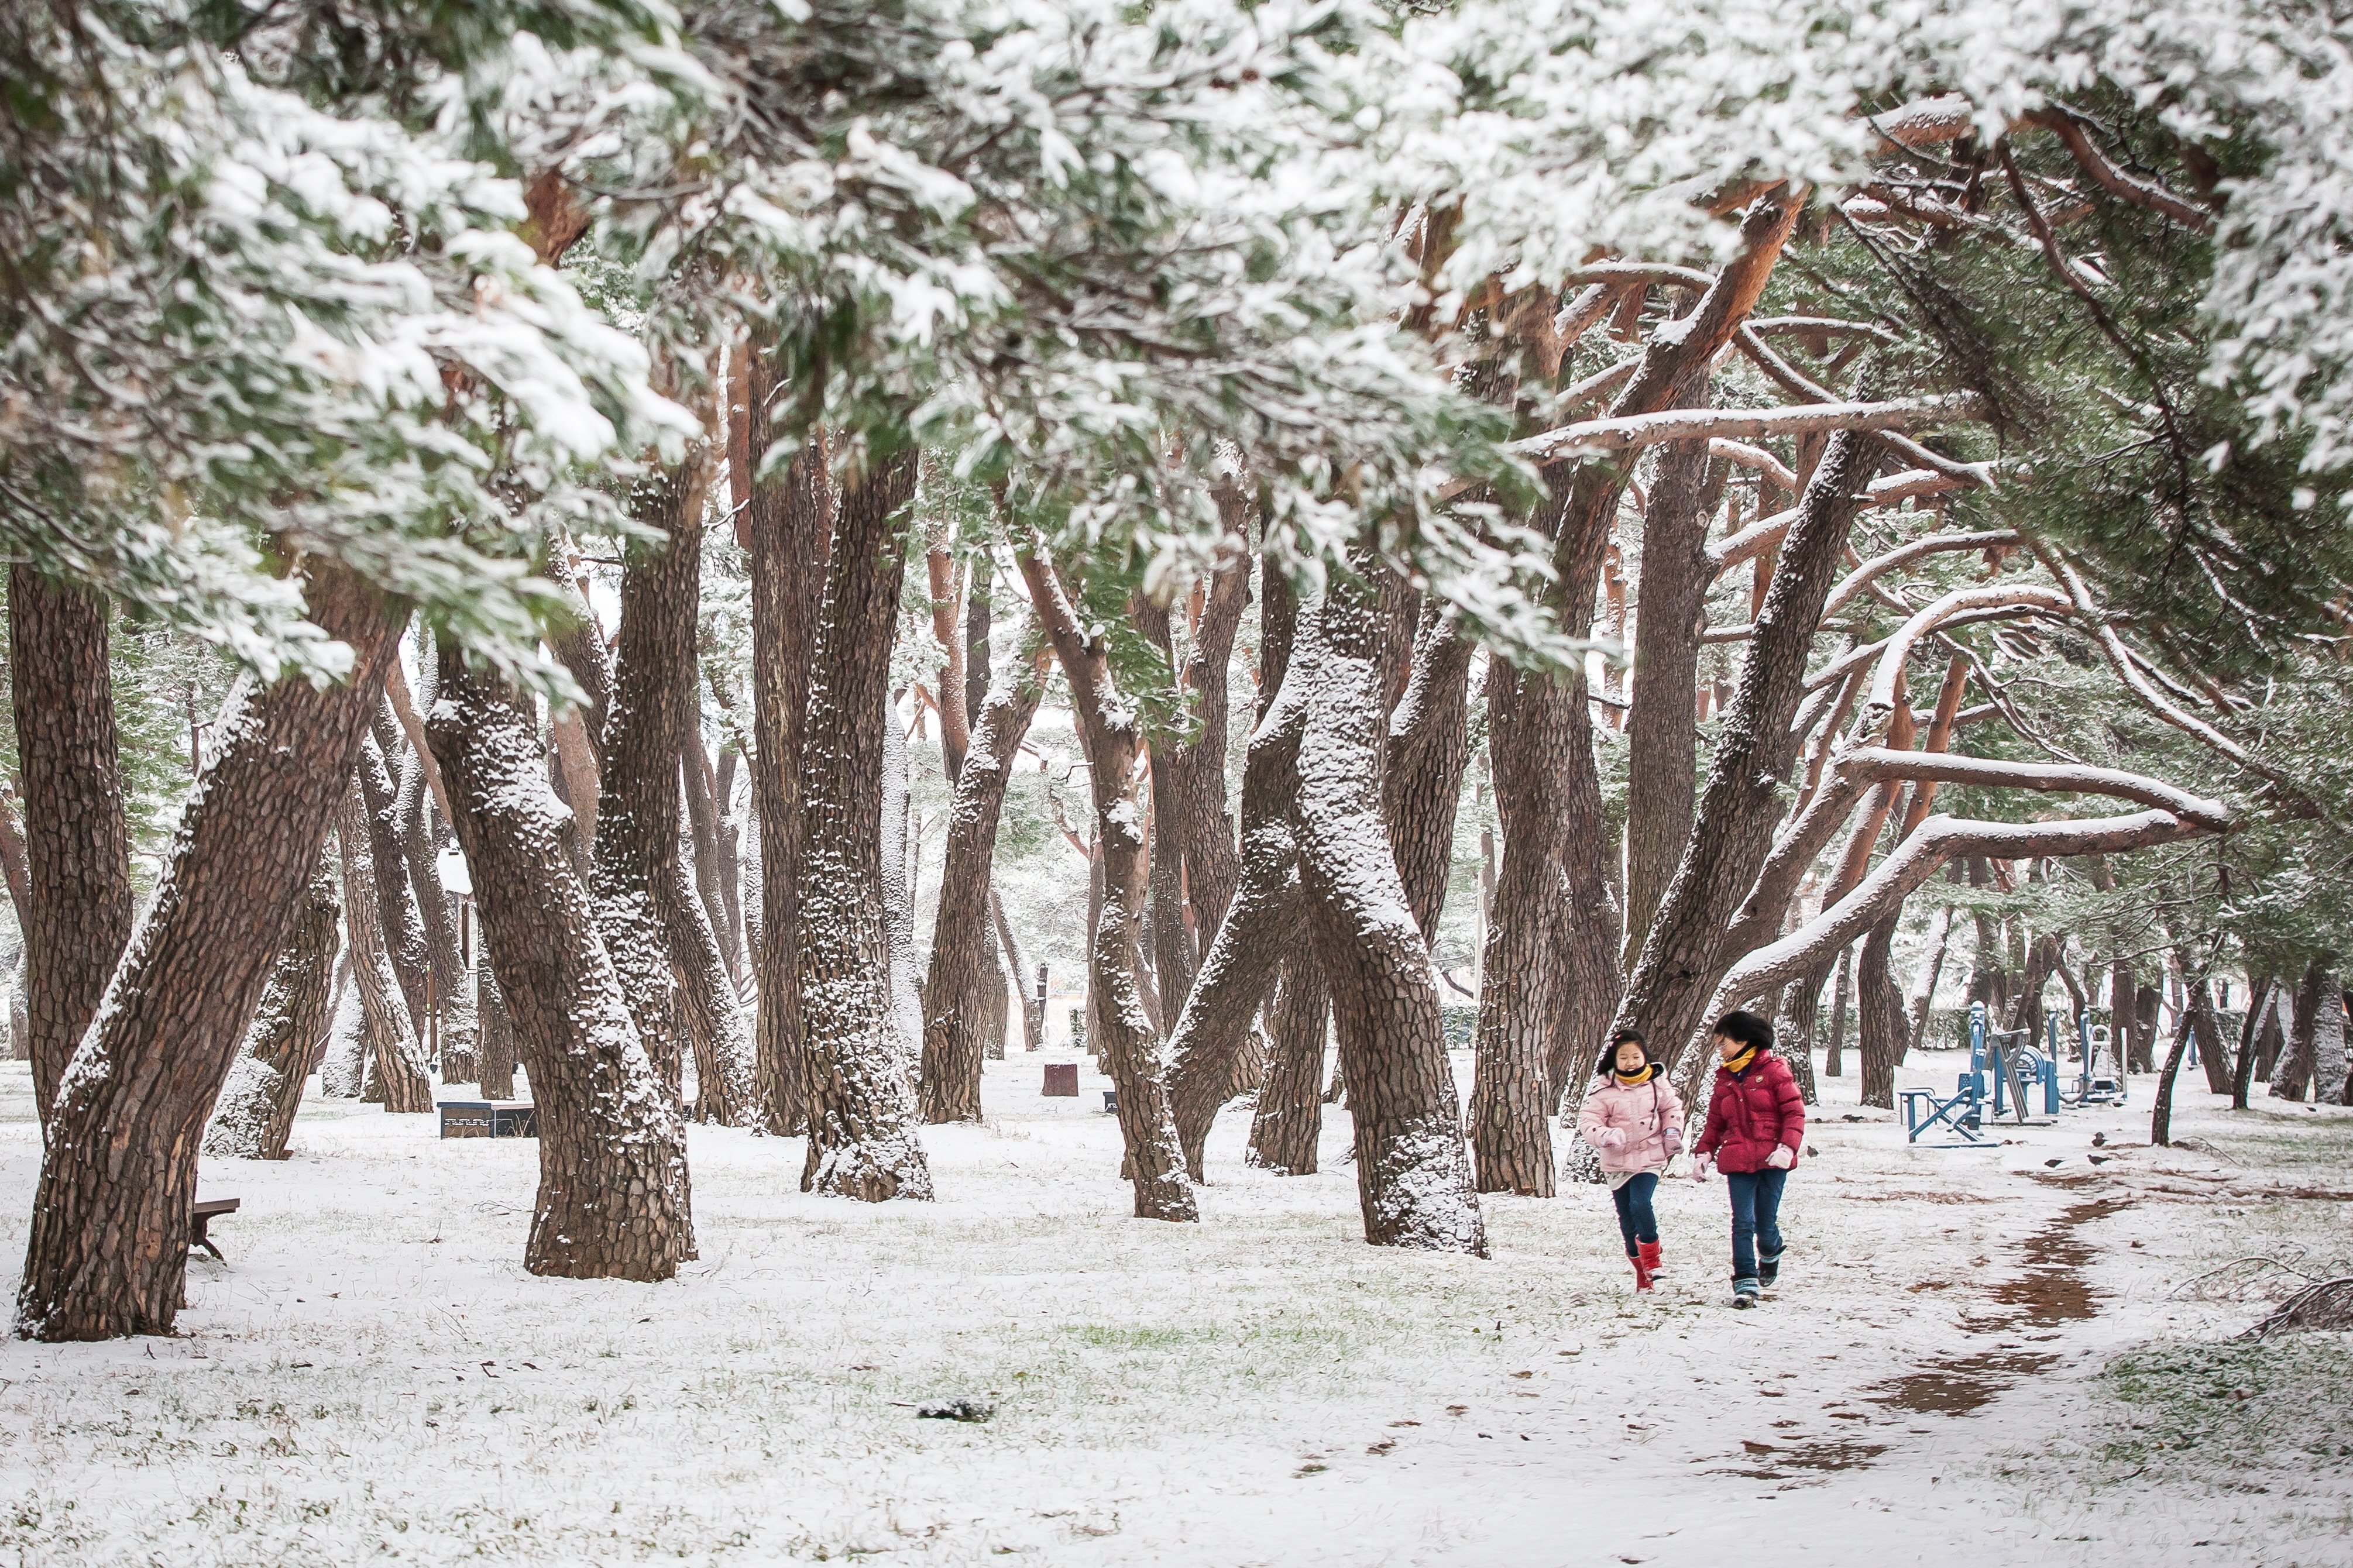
[[1250, 941], [957, 994], [860, 1103], [1212, 861], [1128, 1046], [1422, 778], [1884, 1031], [77, 849], [791, 527], [1174, 955], [399, 1078], [109, 1246], [1527, 723], [1025, 986], [613, 1200], [1662, 743], [255, 1109], [495, 1057], [1288, 1123], [397, 915], [1685, 953], [1413, 1176]]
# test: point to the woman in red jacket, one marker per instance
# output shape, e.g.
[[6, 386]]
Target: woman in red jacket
[[1755, 1125]]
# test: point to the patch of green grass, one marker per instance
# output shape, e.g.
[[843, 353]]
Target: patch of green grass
[[2282, 1403]]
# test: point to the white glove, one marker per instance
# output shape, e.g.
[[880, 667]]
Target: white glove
[[1783, 1157]]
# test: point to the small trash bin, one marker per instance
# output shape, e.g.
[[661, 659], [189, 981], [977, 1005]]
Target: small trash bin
[[1111, 1102], [1062, 1080]]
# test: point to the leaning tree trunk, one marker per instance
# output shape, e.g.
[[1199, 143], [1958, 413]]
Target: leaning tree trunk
[[1421, 780], [397, 915], [957, 994], [398, 1056], [1884, 1031], [1251, 939], [862, 1121], [791, 530], [255, 1111], [1289, 1120], [1128, 1046], [613, 1201], [342, 1070], [1685, 953], [77, 849], [1025, 989], [2293, 1074], [109, 1249], [1413, 1176]]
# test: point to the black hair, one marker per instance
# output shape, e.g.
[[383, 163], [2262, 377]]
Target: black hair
[[1747, 1029], [1608, 1062]]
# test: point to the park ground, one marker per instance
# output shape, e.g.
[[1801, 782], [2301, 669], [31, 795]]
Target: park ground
[[1997, 1356]]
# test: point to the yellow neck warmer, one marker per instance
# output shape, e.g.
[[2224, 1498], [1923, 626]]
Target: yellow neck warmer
[[1649, 1070], [1740, 1063]]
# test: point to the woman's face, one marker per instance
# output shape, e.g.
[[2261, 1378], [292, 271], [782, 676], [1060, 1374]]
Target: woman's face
[[1630, 1056]]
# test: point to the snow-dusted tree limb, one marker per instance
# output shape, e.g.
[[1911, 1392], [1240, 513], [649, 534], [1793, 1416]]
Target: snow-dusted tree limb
[[1623, 274], [1756, 457], [1768, 531], [1872, 764], [1923, 123], [1881, 700], [1797, 384], [412, 724], [1594, 436], [1825, 326], [2123, 660], [1905, 554], [1939, 839], [2115, 181]]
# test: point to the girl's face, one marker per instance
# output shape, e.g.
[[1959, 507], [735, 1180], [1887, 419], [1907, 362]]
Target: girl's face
[[1728, 1047], [1630, 1056]]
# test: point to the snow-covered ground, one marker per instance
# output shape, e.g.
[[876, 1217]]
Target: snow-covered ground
[[1973, 1357]]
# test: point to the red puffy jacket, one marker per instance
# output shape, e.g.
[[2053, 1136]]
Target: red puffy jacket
[[1747, 1115]]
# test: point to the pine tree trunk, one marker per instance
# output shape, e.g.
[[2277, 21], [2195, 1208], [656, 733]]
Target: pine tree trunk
[[1422, 779], [1033, 1005], [1413, 1176], [957, 993], [397, 916], [2328, 1043], [1883, 1030], [109, 1246], [343, 1071], [256, 1110], [1122, 1032], [496, 1055], [1686, 954], [77, 848], [1527, 718], [613, 1200], [1250, 941], [1212, 861], [452, 994], [1833, 1059], [860, 1103], [1662, 743], [791, 529], [399, 1078], [1289, 1120]]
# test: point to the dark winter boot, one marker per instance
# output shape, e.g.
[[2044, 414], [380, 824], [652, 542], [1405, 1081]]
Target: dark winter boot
[[1768, 1268], [1651, 1259], [1642, 1273], [1746, 1290]]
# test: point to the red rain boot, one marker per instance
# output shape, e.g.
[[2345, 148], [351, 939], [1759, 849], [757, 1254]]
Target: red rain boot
[[1650, 1261], [1642, 1273]]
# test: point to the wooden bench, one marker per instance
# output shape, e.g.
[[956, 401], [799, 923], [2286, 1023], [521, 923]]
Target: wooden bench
[[489, 1119], [200, 1219]]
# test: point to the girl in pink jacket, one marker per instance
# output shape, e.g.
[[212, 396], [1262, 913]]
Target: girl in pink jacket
[[1633, 1118]]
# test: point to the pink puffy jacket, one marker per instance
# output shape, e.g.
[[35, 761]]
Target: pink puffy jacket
[[1628, 1126]]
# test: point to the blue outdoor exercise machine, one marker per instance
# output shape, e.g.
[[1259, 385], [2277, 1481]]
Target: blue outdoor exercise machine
[[2009, 1059], [2096, 1082]]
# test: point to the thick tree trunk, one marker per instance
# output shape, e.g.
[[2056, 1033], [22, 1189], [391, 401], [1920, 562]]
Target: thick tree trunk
[[1174, 955], [1289, 1119], [1128, 1046], [2328, 1043], [1884, 1030], [613, 1201], [343, 1070], [1413, 1178], [400, 1078], [452, 995], [1528, 719], [77, 848], [108, 1248], [791, 529], [957, 994], [496, 1053], [1684, 955], [1662, 744], [860, 1100], [1422, 779], [2293, 1077], [256, 1110], [703, 826], [1252, 939], [1212, 862]]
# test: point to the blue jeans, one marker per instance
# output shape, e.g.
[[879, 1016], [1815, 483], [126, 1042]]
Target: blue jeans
[[1756, 1217], [1636, 1222]]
